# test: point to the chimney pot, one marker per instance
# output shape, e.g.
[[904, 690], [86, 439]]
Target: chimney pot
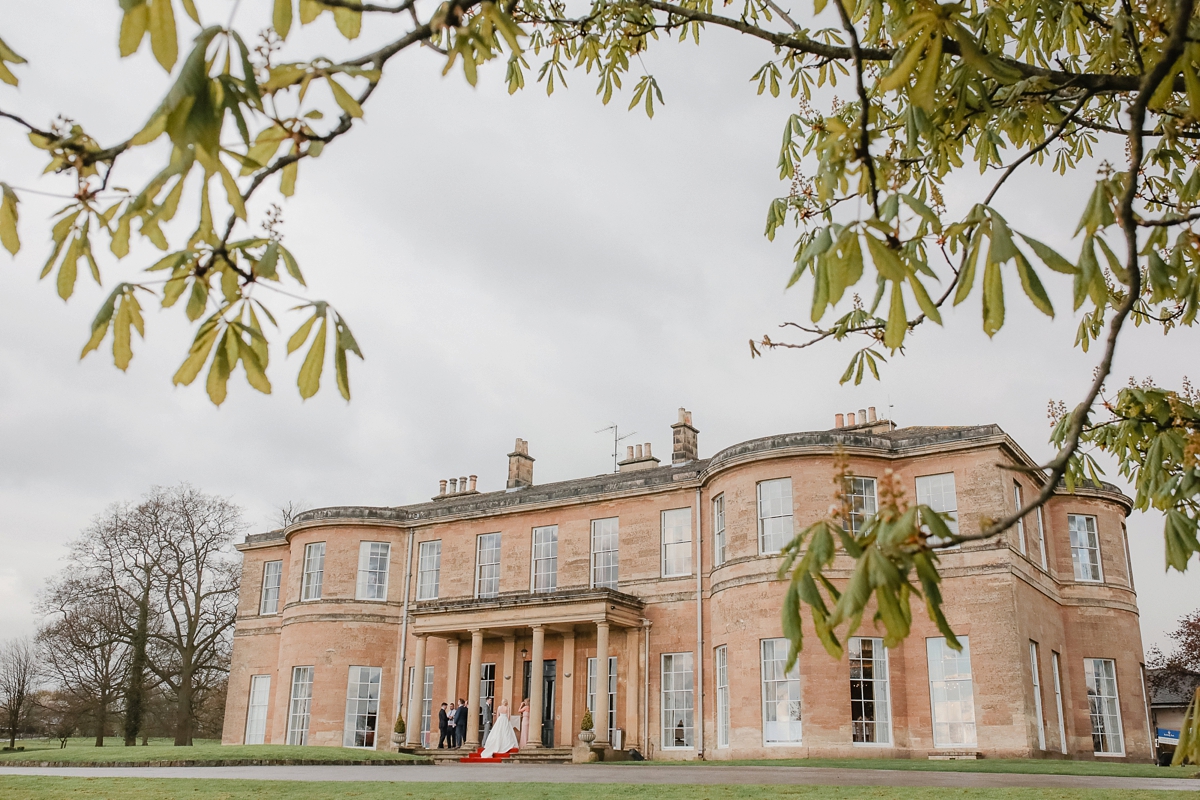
[[871, 414], [474, 478], [685, 444], [647, 451], [441, 487], [629, 453], [453, 485], [637, 451], [462, 483], [850, 418], [839, 420], [862, 416]]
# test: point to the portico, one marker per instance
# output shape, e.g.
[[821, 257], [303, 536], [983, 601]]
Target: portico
[[542, 623]]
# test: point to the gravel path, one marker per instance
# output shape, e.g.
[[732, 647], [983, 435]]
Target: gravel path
[[611, 773]]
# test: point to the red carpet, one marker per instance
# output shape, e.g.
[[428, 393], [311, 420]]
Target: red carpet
[[476, 758]]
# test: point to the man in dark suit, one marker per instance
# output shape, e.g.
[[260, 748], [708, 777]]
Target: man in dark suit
[[444, 728], [487, 720], [460, 722]]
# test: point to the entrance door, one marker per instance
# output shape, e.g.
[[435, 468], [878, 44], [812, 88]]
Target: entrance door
[[549, 678]]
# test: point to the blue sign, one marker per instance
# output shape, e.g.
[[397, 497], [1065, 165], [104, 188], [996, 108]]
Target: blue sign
[[1167, 736]]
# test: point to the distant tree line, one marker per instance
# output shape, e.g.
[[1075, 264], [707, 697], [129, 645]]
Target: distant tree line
[[137, 627]]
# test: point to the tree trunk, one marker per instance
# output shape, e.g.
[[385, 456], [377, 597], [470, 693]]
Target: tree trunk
[[101, 719], [135, 694], [183, 713]]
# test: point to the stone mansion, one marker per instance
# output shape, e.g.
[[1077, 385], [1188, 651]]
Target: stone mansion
[[655, 588]]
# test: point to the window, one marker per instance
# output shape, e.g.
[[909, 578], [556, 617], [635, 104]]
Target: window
[[870, 704], [1062, 729], [256, 714], [612, 693], [677, 700], [1042, 539], [604, 553], [487, 565], [952, 696], [860, 494], [314, 571], [372, 571], [781, 694], [1101, 676], [299, 708], [426, 705], [718, 508], [272, 577], [774, 515], [722, 657], [1037, 695], [429, 570], [362, 707], [677, 543], [1085, 548], [1128, 562], [1018, 504], [545, 558], [937, 492]]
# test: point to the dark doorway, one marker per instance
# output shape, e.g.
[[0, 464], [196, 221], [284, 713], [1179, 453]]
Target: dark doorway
[[549, 678]]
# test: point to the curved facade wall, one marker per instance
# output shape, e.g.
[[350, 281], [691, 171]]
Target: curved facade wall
[[695, 652]]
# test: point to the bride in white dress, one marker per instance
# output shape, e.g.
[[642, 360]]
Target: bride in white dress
[[501, 739]]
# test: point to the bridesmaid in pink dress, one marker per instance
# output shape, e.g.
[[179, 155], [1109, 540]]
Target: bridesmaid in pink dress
[[524, 712]]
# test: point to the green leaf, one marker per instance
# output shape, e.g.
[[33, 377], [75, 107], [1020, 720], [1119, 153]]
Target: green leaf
[[281, 17], [164, 40], [189, 7], [289, 262], [8, 219], [897, 322], [912, 55], [993, 298], [101, 321], [266, 265], [133, 28], [923, 300], [1050, 257], [887, 261], [926, 87], [344, 99], [348, 21], [309, 379], [202, 345], [1033, 286], [222, 364], [1180, 537]]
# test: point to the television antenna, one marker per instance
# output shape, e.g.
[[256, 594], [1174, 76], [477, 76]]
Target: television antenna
[[616, 441]]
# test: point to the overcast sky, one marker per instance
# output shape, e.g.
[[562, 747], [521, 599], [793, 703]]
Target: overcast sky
[[513, 267]]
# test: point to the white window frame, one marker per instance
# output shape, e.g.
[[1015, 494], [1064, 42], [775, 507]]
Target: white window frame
[[719, 543], [943, 648], [669, 676], [257, 709], [772, 658], [543, 560], [1018, 504], [1092, 681], [429, 569], [880, 681], [370, 586], [314, 572], [1058, 702], [1042, 539], [272, 587], [592, 666], [932, 492], [774, 510], [479, 565], [362, 703], [721, 663], [1037, 694], [605, 553], [862, 493], [300, 705], [675, 545], [1077, 550]]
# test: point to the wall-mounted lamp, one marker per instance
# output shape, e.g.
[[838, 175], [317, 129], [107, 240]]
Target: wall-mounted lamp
[[524, 653]]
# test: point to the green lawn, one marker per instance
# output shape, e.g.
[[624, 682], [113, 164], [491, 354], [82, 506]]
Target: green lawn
[[83, 750], [1033, 766], [53, 788]]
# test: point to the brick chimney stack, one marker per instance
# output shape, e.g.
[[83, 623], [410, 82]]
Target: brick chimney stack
[[520, 466], [684, 439]]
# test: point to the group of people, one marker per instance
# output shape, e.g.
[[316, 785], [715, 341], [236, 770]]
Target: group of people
[[499, 733]]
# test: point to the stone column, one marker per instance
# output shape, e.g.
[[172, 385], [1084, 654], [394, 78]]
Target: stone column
[[633, 689], [416, 698], [600, 717], [509, 682], [452, 672], [535, 688], [472, 740], [568, 690]]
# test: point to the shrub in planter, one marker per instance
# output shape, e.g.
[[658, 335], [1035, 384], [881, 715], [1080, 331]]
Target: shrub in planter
[[586, 723]]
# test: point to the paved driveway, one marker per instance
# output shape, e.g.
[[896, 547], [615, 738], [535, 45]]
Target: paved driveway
[[613, 773]]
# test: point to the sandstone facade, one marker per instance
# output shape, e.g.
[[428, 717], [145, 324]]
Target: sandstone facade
[[1054, 659]]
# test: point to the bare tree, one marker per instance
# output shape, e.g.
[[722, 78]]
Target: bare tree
[[84, 646], [20, 668], [199, 589], [287, 513]]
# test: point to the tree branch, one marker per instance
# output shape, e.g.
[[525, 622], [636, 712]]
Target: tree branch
[[864, 136]]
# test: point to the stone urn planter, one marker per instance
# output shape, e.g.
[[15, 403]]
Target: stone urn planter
[[587, 737], [397, 738]]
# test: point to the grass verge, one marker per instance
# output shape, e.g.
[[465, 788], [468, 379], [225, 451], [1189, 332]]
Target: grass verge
[[55, 788], [208, 752], [1029, 766]]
